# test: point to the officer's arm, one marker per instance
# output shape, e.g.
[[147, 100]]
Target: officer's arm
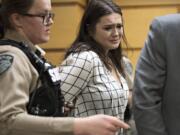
[[15, 85]]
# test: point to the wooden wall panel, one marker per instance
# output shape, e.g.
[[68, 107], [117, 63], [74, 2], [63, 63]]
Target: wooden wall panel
[[68, 14], [133, 55], [55, 57], [137, 21], [65, 26], [148, 2]]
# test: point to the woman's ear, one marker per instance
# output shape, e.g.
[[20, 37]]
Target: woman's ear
[[15, 20]]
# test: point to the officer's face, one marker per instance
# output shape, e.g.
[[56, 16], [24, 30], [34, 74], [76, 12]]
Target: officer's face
[[37, 21]]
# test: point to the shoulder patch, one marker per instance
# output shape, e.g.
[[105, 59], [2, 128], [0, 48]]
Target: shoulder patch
[[5, 62]]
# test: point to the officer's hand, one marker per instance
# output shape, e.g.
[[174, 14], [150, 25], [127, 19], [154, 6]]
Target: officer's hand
[[68, 106], [98, 125]]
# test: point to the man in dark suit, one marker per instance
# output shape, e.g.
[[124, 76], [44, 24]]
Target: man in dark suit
[[156, 97]]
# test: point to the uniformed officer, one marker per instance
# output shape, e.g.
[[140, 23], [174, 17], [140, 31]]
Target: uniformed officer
[[29, 21]]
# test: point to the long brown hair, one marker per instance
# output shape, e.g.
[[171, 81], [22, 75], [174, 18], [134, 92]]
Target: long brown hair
[[94, 11]]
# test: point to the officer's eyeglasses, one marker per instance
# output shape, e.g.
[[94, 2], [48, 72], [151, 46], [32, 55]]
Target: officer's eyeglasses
[[46, 16]]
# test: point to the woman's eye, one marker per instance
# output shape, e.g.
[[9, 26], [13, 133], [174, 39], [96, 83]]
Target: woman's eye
[[107, 28], [119, 26]]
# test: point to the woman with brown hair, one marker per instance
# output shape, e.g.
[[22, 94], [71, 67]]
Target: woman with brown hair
[[92, 72]]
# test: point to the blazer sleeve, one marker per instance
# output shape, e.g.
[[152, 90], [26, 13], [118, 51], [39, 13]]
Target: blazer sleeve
[[75, 73], [150, 76]]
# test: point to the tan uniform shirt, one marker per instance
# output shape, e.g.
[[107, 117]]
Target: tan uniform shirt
[[15, 86]]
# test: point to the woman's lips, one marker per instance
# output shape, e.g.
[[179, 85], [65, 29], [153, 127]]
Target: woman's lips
[[115, 41]]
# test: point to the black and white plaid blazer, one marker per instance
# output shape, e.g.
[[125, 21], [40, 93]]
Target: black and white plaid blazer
[[87, 81]]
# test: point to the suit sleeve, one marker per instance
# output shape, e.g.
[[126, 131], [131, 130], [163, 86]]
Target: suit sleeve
[[150, 77]]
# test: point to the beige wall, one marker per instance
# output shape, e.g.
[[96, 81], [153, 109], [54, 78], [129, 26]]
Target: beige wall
[[138, 15]]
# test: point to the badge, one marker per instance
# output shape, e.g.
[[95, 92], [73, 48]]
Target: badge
[[54, 73], [5, 62]]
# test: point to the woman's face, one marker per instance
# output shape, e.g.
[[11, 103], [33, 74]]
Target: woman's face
[[33, 27], [108, 31]]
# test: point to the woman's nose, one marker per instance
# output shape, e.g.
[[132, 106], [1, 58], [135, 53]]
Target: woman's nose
[[115, 32]]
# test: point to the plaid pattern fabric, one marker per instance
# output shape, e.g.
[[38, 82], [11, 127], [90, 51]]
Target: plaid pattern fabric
[[86, 80]]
